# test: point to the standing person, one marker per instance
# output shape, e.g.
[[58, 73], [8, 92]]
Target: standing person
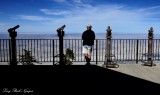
[[88, 38]]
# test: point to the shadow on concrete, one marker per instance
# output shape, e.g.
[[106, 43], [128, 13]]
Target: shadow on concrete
[[74, 80]]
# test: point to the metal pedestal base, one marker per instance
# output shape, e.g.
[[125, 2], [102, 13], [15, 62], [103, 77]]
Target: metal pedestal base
[[147, 64], [110, 65]]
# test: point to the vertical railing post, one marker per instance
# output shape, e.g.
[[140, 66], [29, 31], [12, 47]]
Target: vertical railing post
[[60, 35], [96, 51], [13, 35], [53, 51], [0, 50], [10, 53], [137, 52]]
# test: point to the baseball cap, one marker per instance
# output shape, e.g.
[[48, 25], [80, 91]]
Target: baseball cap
[[89, 25]]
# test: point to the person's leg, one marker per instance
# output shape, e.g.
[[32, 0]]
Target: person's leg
[[85, 53], [89, 55], [86, 57], [87, 60]]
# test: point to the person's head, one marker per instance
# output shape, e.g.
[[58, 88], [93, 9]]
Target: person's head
[[89, 27]]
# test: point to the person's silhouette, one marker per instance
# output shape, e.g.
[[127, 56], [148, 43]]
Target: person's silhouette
[[88, 38]]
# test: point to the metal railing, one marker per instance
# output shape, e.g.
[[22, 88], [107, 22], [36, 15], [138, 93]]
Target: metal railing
[[44, 50]]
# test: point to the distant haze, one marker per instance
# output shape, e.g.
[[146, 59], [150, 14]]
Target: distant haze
[[78, 36]]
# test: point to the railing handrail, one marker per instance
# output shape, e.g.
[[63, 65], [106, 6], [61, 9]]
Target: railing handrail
[[77, 39]]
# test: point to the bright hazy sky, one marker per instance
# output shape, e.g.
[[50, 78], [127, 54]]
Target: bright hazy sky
[[45, 16]]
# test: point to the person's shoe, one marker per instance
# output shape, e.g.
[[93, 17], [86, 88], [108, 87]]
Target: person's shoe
[[88, 64]]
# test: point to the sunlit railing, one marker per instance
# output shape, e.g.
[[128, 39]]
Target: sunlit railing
[[44, 50]]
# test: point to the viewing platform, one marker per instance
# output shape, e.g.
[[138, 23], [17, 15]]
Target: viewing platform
[[133, 78], [115, 63], [148, 73]]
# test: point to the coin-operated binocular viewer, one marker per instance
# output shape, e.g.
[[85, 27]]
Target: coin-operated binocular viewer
[[110, 59], [13, 35], [149, 55], [60, 32]]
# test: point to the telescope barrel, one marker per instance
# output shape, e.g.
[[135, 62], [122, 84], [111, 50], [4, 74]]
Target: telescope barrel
[[14, 28], [61, 28]]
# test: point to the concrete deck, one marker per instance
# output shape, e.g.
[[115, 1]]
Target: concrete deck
[[137, 70], [144, 72]]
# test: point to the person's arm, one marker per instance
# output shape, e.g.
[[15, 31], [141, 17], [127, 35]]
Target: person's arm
[[83, 36], [94, 36]]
